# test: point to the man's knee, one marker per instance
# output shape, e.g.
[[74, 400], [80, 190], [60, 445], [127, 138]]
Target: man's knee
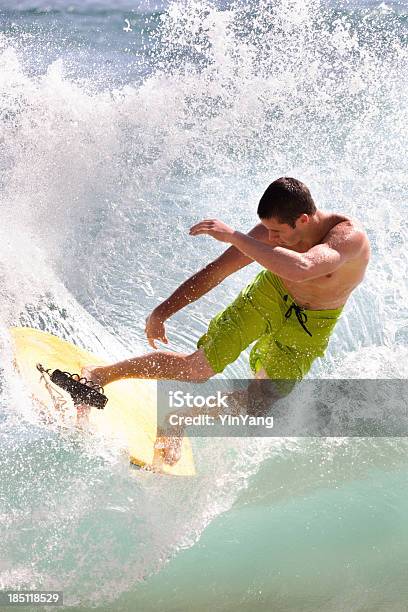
[[198, 366]]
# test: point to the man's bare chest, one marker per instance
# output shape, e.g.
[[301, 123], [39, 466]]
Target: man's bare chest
[[328, 291]]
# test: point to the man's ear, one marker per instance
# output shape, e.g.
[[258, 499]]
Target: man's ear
[[303, 218]]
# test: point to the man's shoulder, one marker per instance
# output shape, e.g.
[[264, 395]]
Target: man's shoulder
[[346, 230]]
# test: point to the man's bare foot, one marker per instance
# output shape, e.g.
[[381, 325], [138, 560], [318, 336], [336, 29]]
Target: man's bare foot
[[92, 373], [170, 443]]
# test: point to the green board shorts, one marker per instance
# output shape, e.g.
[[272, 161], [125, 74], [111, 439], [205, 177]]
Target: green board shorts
[[289, 338]]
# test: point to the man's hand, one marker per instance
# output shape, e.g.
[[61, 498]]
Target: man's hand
[[155, 329], [214, 228]]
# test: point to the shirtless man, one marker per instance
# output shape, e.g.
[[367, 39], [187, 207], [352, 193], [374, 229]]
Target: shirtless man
[[312, 260]]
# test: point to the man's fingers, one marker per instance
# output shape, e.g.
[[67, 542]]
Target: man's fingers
[[200, 226], [204, 221], [151, 341], [204, 229], [200, 231]]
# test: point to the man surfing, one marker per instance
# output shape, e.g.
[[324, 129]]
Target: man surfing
[[312, 260]]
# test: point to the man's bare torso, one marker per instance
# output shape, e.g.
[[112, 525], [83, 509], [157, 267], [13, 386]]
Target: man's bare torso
[[331, 290]]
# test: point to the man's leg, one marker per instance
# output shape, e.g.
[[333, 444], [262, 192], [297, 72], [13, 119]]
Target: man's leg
[[229, 333], [258, 397], [263, 393], [158, 365]]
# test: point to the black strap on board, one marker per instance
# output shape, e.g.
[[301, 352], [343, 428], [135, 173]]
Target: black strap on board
[[81, 390]]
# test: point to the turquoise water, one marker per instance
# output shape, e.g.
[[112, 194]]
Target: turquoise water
[[323, 550], [114, 141]]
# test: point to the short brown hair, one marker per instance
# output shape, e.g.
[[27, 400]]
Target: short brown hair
[[286, 199]]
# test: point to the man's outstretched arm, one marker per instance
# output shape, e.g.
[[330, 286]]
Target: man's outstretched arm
[[199, 284], [341, 244]]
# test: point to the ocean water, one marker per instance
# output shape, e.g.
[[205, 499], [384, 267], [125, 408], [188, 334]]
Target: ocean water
[[122, 124]]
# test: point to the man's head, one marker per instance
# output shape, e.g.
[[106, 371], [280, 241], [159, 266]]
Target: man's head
[[285, 209]]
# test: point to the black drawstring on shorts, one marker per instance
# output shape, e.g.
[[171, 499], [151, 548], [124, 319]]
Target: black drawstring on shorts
[[300, 314]]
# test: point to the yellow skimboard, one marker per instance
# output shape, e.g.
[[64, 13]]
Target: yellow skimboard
[[130, 415]]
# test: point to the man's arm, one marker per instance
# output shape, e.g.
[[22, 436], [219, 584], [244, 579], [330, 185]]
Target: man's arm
[[341, 244], [284, 262], [209, 277], [199, 284]]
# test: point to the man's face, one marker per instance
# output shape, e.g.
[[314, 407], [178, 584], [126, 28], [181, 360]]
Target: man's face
[[284, 234]]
